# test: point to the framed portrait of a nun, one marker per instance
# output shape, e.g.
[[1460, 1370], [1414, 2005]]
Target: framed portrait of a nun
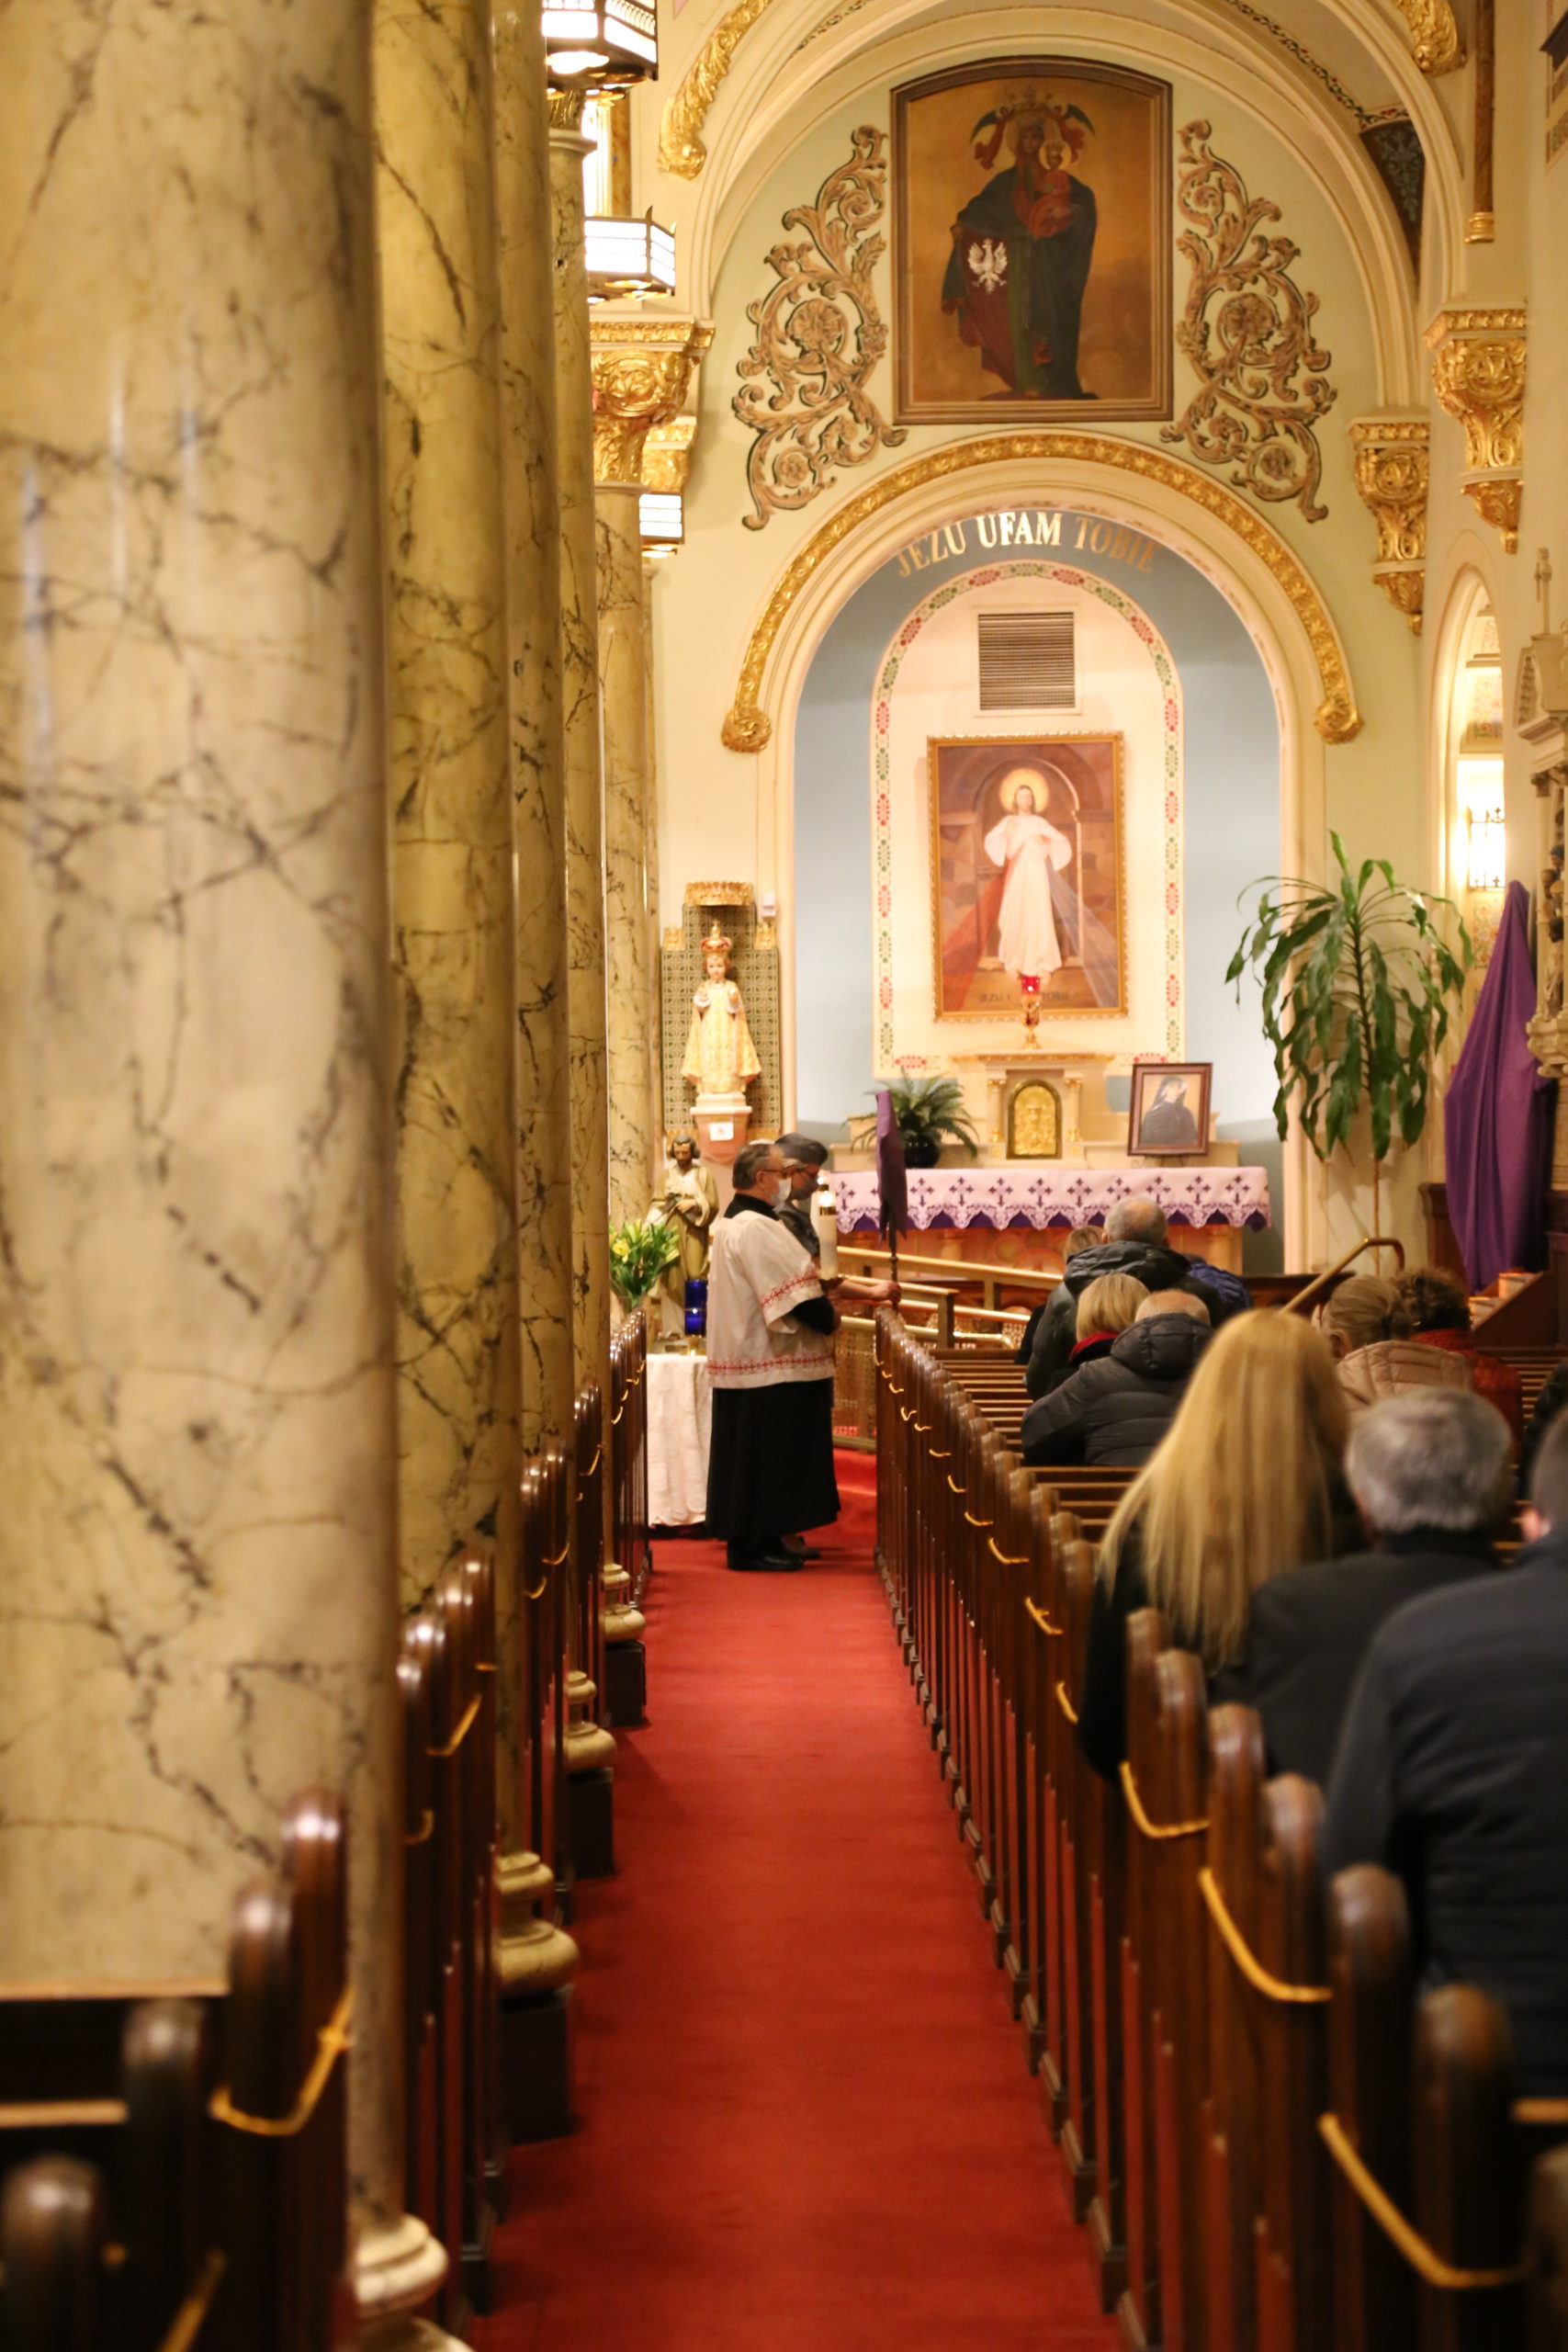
[[1167, 1114], [1027, 889]]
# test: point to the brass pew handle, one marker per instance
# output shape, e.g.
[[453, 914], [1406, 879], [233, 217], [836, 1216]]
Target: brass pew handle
[[1140, 1822]]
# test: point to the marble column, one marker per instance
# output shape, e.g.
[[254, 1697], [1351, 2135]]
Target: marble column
[[538, 775], [535, 1955], [454, 911], [628, 915], [641, 372], [579, 690], [197, 1450]]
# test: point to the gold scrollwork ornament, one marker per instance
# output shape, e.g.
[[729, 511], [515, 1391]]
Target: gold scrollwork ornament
[[1248, 333], [1392, 461], [681, 148], [819, 334]]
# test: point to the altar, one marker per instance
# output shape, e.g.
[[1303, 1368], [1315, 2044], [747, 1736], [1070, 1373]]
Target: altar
[[1019, 1213]]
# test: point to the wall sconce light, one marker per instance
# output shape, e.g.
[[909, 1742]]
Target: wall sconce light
[[605, 46], [627, 258]]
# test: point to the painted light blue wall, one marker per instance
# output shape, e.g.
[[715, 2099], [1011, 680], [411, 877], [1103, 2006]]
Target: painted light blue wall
[[1232, 835]]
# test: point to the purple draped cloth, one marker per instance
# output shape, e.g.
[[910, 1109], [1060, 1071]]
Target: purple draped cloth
[[892, 1182], [1498, 1116]]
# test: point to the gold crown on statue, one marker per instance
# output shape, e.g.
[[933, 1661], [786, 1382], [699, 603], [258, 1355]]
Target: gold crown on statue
[[717, 943]]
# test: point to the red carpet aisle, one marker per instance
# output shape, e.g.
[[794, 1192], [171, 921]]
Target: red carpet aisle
[[805, 2123]]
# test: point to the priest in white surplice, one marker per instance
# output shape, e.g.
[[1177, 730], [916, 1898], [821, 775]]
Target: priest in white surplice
[[770, 1332]]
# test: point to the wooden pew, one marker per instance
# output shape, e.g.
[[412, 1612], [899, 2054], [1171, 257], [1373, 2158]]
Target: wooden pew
[[1233, 2106], [1093, 1882], [216, 2214], [1192, 2002], [1549, 2253]]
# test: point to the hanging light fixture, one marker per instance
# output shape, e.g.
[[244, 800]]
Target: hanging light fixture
[[626, 258], [605, 46], [662, 514]]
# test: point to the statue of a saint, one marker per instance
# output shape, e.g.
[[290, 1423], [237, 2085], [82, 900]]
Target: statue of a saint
[[720, 1061], [688, 1201]]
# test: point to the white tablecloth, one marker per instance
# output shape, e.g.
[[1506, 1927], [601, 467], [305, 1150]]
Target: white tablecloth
[[1064, 1194], [680, 1419]]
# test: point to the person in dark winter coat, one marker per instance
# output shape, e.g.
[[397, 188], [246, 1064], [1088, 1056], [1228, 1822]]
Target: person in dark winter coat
[[1429, 1472], [1114, 1413], [1082, 1237], [1134, 1244], [1451, 1768]]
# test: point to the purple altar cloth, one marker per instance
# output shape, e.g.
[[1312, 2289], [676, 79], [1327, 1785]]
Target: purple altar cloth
[[1498, 1116]]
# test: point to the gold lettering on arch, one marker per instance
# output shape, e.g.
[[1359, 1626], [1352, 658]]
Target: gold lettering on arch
[[748, 726]]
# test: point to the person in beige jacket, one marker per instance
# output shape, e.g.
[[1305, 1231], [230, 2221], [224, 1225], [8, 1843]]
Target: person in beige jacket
[[1368, 1328]]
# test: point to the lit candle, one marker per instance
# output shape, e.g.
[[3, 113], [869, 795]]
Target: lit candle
[[825, 1217]]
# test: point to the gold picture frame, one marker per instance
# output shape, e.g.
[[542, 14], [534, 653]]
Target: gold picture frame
[[1032, 245], [1167, 1110], [999, 893]]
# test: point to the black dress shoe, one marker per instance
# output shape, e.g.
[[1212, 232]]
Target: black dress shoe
[[767, 1563], [799, 1551]]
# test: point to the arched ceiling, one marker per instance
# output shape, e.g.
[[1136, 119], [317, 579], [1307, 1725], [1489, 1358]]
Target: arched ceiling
[[1317, 72]]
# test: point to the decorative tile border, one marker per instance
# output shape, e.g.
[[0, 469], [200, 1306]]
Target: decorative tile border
[[1067, 576]]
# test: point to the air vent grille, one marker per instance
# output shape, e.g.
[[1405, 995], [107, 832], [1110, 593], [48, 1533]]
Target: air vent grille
[[1027, 662]]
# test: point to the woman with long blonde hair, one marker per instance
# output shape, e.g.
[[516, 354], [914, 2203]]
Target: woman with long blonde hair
[[1245, 1483]]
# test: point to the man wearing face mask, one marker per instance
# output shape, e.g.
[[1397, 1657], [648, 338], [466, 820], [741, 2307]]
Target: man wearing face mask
[[771, 1363], [804, 1160]]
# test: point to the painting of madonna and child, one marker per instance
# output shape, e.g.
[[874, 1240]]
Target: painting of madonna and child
[[1032, 227], [1026, 875]]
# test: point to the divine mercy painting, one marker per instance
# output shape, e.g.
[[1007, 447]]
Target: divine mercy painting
[[1032, 240], [1026, 875]]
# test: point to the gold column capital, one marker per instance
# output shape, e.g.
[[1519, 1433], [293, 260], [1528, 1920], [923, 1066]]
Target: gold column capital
[[1478, 373], [642, 369], [667, 454], [1393, 461]]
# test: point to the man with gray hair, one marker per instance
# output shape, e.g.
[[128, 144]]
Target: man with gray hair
[[1431, 1476], [1134, 1244]]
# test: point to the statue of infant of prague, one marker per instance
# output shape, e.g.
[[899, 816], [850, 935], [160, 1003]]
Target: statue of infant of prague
[[720, 1061]]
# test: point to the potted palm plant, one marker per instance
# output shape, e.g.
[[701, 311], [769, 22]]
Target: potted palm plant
[[1357, 981], [930, 1111]]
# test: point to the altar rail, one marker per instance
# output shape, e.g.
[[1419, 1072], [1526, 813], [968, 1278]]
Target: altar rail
[[1273, 2143]]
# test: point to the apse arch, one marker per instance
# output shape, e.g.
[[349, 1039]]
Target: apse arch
[[1184, 685], [1234, 567], [1125, 482]]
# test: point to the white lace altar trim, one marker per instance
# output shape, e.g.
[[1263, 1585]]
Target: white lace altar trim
[[1065, 1195]]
